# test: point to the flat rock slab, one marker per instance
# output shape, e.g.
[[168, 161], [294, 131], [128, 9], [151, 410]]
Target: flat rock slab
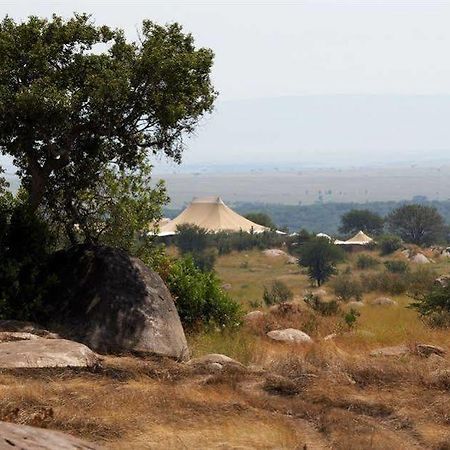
[[397, 350], [40, 353], [17, 326], [290, 335], [383, 301], [215, 359], [8, 336], [23, 437]]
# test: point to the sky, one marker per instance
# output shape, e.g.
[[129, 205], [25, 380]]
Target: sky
[[270, 49]]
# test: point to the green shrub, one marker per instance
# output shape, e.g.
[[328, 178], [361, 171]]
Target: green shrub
[[200, 300], [391, 283], [324, 308], [389, 244], [351, 317], [346, 288], [396, 266], [206, 259], [277, 293], [366, 262], [434, 304], [191, 239]]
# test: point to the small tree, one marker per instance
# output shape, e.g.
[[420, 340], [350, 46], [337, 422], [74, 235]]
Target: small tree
[[434, 304], [389, 244], [278, 293], [261, 219], [320, 256], [417, 224], [361, 219]]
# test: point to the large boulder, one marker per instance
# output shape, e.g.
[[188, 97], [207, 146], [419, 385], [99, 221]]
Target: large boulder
[[41, 352], [23, 437], [113, 303], [420, 258]]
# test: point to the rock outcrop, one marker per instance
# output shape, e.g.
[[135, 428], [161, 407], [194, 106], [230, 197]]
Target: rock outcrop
[[41, 352], [23, 437], [420, 258], [114, 303]]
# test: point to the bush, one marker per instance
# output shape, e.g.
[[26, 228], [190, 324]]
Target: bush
[[324, 308], [278, 293], [351, 317], [347, 288], [391, 283], [366, 262], [200, 300], [25, 245], [396, 266], [191, 239], [205, 260], [389, 244], [434, 304]]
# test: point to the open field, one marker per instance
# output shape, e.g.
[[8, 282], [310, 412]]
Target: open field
[[312, 185], [331, 395]]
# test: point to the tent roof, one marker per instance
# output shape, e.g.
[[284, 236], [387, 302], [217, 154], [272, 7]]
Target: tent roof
[[359, 238], [212, 214]]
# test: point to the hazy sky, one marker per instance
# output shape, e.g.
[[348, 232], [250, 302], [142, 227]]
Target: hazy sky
[[271, 49]]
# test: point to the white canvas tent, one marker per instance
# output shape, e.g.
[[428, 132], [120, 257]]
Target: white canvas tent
[[212, 214], [359, 238]]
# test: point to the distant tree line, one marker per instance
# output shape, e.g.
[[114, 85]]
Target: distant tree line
[[324, 217]]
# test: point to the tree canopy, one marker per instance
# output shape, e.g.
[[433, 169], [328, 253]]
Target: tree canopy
[[320, 256], [76, 97], [417, 224], [261, 219], [361, 220]]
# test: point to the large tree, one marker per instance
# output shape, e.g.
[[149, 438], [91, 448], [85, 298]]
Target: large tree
[[361, 220], [417, 224], [76, 97]]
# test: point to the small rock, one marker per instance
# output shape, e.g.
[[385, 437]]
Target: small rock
[[442, 281], [274, 252], [290, 335], [40, 353], [398, 350], [253, 316], [420, 258], [214, 359], [426, 350], [24, 437], [355, 304], [7, 336], [383, 301], [292, 260], [330, 337], [226, 286]]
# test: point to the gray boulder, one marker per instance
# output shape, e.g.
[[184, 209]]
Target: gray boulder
[[23, 437], [420, 258], [397, 350], [114, 303], [383, 301], [40, 353], [290, 335], [214, 361]]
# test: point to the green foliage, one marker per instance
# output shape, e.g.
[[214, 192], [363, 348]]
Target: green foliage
[[200, 300], [346, 288], [261, 219], [417, 224], [25, 244], [391, 283], [434, 305], [227, 242], [351, 317], [191, 238], [76, 97], [277, 293], [388, 244], [330, 308], [364, 262], [396, 266], [320, 256], [361, 220]]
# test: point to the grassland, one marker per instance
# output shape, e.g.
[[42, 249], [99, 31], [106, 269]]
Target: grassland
[[328, 395]]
